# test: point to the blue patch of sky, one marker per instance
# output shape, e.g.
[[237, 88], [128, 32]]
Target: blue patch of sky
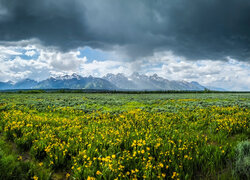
[[154, 65], [159, 65], [93, 54], [24, 56], [243, 66], [199, 64], [35, 56]]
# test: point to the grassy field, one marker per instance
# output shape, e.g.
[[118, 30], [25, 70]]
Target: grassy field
[[124, 136]]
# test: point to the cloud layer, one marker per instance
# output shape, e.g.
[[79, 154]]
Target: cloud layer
[[39, 62], [194, 29]]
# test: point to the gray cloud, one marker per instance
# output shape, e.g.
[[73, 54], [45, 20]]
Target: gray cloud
[[209, 29]]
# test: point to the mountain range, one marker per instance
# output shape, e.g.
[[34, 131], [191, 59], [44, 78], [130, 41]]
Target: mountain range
[[142, 82], [110, 81]]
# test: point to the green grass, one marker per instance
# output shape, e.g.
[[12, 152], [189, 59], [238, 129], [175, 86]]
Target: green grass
[[14, 166], [125, 136]]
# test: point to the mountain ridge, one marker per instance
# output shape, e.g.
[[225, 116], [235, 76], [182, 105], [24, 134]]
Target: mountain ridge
[[138, 81], [110, 81]]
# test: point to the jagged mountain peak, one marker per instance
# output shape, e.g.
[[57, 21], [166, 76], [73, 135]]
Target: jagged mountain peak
[[135, 74], [26, 80], [111, 75], [155, 75], [10, 82], [157, 78], [138, 75], [67, 77]]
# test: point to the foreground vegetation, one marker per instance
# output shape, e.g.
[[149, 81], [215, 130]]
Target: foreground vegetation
[[124, 136]]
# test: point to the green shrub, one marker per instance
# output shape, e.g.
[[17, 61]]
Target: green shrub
[[13, 169], [242, 163], [10, 168]]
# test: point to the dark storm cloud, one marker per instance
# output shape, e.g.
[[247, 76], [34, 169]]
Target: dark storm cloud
[[195, 29]]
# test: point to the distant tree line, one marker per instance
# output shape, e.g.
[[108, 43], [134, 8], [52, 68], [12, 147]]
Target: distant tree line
[[28, 91]]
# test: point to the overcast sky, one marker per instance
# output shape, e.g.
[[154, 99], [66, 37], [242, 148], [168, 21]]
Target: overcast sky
[[206, 41]]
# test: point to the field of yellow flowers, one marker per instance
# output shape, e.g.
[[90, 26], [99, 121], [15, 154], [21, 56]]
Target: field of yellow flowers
[[125, 136]]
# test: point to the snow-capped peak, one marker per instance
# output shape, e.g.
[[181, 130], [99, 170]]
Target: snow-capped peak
[[67, 77]]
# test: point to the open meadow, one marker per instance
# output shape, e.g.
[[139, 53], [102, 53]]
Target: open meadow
[[124, 136]]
